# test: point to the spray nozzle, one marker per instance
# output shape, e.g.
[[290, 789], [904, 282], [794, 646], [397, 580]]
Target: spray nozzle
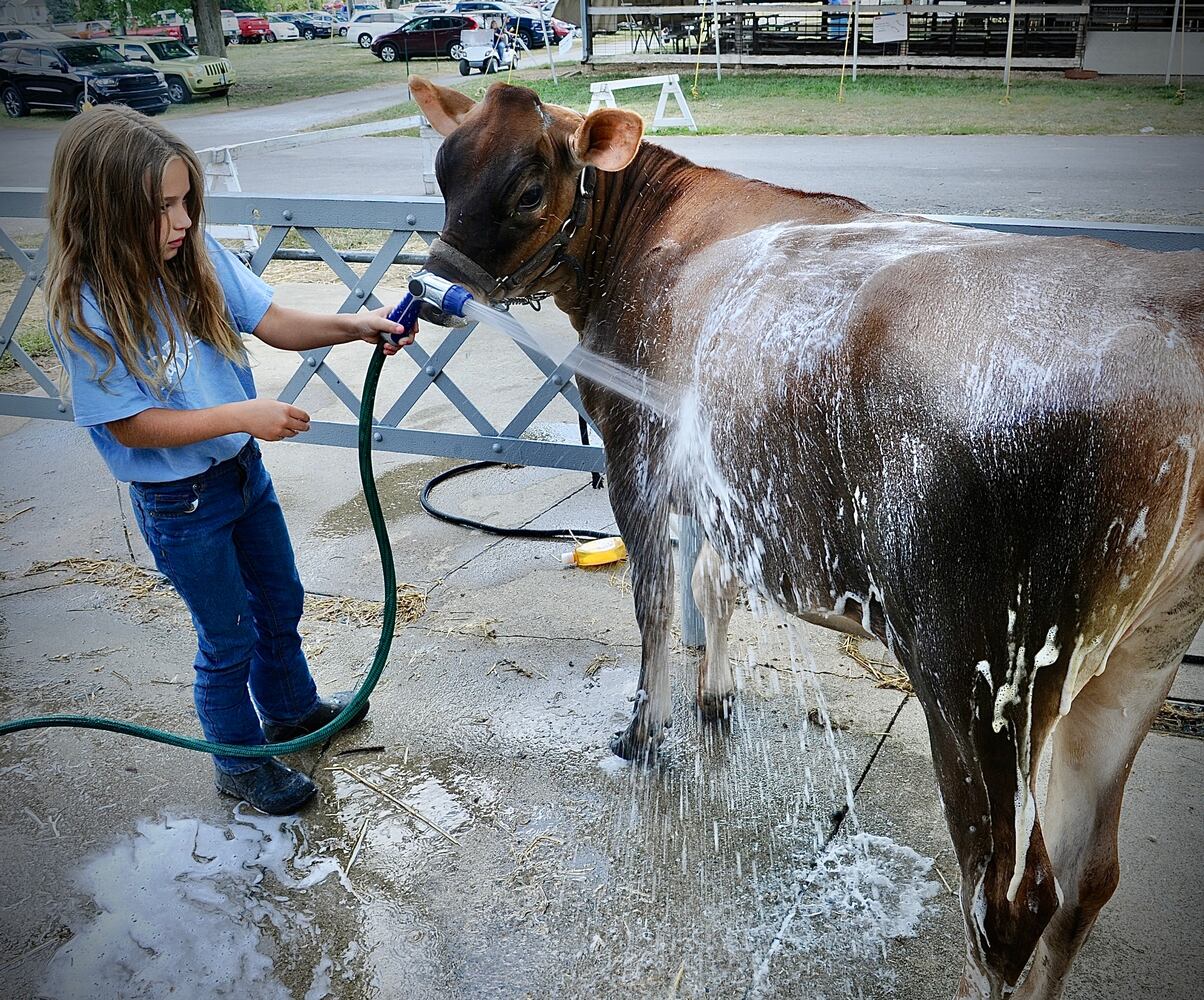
[[439, 292], [425, 288]]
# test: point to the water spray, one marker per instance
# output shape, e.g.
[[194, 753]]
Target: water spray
[[455, 300]]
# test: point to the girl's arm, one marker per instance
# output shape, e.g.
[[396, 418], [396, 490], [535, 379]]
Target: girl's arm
[[267, 419], [297, 330]]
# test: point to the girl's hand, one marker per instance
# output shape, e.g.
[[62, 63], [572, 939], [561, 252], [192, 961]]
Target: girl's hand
[[375, 328], [272, 420]]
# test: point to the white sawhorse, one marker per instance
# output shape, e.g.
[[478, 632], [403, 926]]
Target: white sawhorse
[[602, 96], [221, 176]]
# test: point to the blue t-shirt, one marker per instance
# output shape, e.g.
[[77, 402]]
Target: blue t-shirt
[[199, 377]]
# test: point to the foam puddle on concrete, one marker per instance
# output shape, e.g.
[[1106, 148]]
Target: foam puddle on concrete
[[184, 908], [575, 874], [863, 894]]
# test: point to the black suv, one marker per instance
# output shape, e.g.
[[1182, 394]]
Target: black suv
[[44, 73]]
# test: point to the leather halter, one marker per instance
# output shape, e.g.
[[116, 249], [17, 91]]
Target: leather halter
[[548, 257]]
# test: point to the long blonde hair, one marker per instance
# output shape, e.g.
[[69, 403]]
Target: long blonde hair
[[105, 206]]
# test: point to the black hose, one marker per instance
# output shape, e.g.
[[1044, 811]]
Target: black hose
[[567, 534]]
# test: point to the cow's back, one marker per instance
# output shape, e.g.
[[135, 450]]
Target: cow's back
[[897, 411]]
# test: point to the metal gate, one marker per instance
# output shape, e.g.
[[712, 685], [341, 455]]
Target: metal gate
[[401, 218]]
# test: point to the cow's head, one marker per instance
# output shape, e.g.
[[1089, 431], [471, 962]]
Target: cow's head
[[511, 171]]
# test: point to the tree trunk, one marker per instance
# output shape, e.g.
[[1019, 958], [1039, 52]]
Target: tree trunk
[[209, 40]]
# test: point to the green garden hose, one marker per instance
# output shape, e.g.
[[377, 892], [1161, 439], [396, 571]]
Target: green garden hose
[[365, 689]]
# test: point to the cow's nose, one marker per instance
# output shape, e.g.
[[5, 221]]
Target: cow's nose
[[447, 262]]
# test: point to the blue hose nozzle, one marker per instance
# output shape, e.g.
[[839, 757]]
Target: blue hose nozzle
[[439, 292], [405, 314]]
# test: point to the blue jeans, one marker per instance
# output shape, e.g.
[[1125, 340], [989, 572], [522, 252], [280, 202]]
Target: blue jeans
[[220, 538]]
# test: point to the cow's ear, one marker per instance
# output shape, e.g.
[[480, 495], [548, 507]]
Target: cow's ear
[[608, 139], [444, 108]]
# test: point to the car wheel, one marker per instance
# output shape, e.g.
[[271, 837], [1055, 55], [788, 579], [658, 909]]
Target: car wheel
[[526, 38], [490, 65], [270, 36], [14, 103], [465, 67], [388, 53], [308, 34], [78, 106], [456, 50], [233, 41], [365, 40], [177, 90], [342, 32]]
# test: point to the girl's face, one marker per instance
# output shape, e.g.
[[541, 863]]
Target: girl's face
[[174, 221]]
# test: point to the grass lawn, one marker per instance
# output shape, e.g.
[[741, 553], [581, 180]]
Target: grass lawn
[[290, 71], [745, 102], [797, 104]]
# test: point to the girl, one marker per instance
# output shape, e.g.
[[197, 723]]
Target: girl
[[145, 311]]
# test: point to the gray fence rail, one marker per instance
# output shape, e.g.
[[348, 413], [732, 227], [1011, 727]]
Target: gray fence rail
[[400, 219]]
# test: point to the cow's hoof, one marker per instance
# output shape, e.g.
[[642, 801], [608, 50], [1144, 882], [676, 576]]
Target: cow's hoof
[[715, 708], [635, 744]]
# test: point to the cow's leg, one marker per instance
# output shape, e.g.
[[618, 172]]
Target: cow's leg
[[1001, 933], [715, 592], [1094, 747], [643, 520], [986, 783]]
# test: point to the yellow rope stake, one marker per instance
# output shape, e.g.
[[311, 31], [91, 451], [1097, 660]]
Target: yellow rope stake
[[843, 59]]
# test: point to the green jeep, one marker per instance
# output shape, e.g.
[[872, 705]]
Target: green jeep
[[188, 75]]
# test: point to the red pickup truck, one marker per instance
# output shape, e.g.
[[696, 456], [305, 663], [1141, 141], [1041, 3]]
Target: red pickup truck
[[252, 28], [166, 30]]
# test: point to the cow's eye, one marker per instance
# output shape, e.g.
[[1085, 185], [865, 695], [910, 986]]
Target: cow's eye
[[531, 198]]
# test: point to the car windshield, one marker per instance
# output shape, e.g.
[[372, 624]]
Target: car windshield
[[90, 55], [171, 50]]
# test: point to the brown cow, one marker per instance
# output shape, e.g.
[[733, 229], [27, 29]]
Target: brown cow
[[983, 450]]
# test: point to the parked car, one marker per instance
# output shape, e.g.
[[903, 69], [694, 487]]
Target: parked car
[[339, 10], [169, 22], [281, 29], [252, 28], [155, 31], [85, 29], [525, 22], [309, 26], [426, 35], [369, 24], [188, 75], [230, 27], [43, 73], [16, 32]]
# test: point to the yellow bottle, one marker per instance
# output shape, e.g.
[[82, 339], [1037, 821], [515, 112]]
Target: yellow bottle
[[597, 552]]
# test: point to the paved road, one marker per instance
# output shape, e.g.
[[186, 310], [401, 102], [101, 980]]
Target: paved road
[[25, 151], [1151, 178]]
